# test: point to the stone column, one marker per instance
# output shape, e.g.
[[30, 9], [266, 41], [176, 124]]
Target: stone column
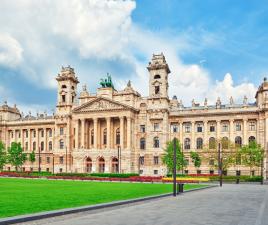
[[77, 134], [82, 133], [218, 129], [22, 139], [122, 132], [37, 139], [45, 139], [108, 121], [29, 139], [245, 132], [258, 131], [193, 136], [95, 133], [231, 130], [205, 132], [129, 133]]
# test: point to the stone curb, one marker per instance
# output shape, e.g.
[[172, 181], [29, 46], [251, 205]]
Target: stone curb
[[61, 212]]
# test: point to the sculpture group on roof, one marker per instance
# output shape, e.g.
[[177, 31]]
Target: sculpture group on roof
[[107, 82]]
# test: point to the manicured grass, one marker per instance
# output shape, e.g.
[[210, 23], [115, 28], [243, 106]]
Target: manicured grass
[[25, 196]]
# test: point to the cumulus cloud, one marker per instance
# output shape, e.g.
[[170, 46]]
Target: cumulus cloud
[[54, 33], [10, 51]]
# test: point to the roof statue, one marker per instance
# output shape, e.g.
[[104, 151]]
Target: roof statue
[[107, 82]]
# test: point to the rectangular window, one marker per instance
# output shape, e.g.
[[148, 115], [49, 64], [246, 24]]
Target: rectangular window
[[212, 128], [156, 126], [238, 126], [61, 130], [211, 172], [156, 160], [225, 127], [187, 128], [60, 170], [174, 128], [141, 160], [47, 169], [141, 171], [34, 133], [252, 126], [42, 133], [199, 128], [155, 172], [61, 159], [48, 159], [142, 128]]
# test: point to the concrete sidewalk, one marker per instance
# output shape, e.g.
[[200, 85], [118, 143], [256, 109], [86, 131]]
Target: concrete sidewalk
[[230, 205]]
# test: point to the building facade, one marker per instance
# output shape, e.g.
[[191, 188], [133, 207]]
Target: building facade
[[122, 131]]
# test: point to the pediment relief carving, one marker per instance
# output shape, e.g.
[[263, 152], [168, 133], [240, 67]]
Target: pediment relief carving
[[101, 105]]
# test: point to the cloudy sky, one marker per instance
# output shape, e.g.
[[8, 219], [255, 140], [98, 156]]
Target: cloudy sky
[[214, 48]]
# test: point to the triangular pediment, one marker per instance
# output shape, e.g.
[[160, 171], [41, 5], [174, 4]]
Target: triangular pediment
[[102, 104]]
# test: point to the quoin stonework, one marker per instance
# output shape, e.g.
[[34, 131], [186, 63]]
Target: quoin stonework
[[122, 131]]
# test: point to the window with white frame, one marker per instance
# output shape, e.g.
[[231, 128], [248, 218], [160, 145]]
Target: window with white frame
[[187, 128], [199, 127], [142, 128], [225, 127], [156, 126], [252, 126], [238, 126], [174, 128]]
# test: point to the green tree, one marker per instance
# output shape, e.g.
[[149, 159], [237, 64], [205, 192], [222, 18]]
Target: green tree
[[3, 155], [252, 155], [32, 157], [168, 156], [229, 154], [16, 156], [196, 159]]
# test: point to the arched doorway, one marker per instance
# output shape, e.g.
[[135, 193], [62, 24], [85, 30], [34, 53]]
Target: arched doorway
[[101, 165], [88, 165], [115, 167]]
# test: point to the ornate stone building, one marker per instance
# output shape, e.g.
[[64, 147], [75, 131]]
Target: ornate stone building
[[121, 131]]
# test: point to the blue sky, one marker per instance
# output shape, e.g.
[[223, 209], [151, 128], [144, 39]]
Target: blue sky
[[214, 48]]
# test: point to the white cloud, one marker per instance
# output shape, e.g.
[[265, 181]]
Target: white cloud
[[10, 51], [54, 33]]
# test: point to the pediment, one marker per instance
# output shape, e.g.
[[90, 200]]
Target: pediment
[[102, 104]]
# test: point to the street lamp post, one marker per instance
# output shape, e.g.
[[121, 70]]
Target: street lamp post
[[39, 160], [182, 159], [174, 167], [220, 163], [262, 168], [66, 159]]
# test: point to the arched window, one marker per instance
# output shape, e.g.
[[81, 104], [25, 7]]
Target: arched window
[[157, 76], [105, 136], [63, 98], [142, 143], [156, 142], [50, 145], [212, 143], [238, 141], [251, 139], [34, 146], [187, 143], [101, 162], [88, 165], [92, 137], [26, 146], [42, 146], [225, 143], [115, 167], [199, 143], [61, 144], [117, 136]]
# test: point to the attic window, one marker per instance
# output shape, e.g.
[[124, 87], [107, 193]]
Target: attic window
[[63, 86], [157, 76]]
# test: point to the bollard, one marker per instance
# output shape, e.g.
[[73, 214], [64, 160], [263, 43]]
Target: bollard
[[181, 188], [237, 180], [178, 188]]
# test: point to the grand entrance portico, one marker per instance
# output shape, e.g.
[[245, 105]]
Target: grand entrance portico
[[99, 138]]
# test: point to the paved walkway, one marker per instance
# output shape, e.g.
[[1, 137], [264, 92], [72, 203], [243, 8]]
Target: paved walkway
[[230, 205]]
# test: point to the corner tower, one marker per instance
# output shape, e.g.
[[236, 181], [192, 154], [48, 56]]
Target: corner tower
[[158, 82], [67, 87]]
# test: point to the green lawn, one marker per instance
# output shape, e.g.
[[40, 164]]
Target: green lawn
[[24, 196]]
